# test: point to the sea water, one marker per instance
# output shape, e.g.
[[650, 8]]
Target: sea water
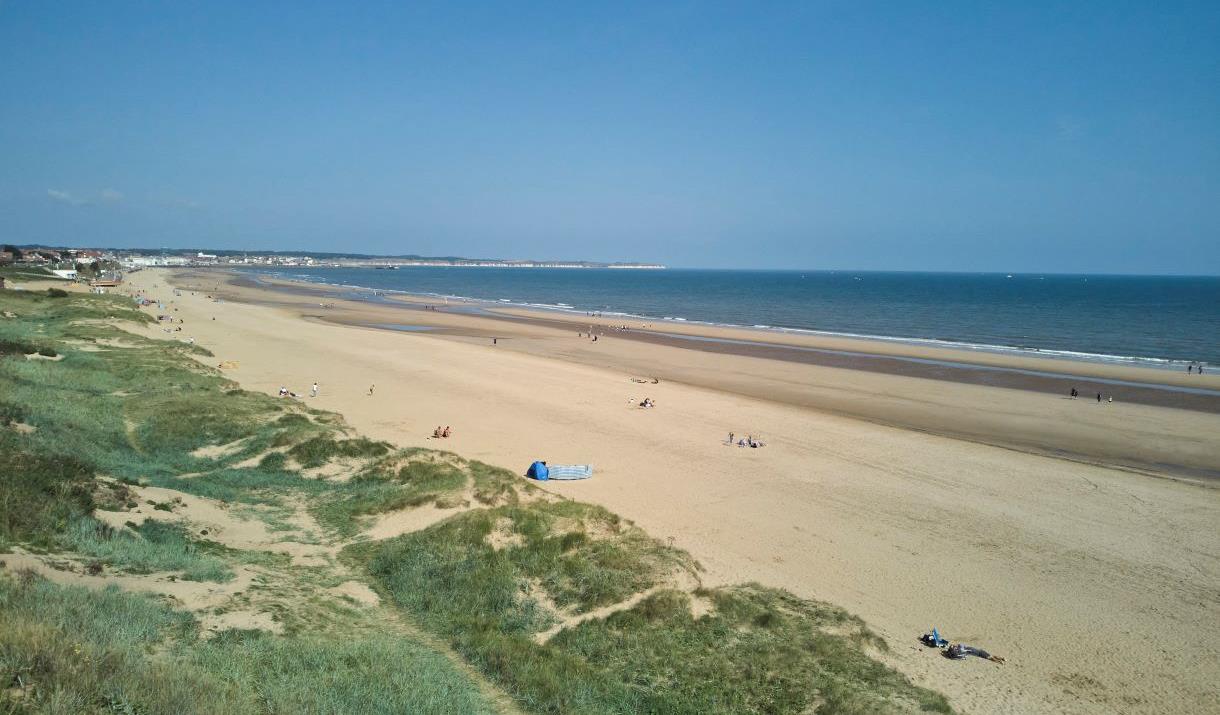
[[1163, 321]]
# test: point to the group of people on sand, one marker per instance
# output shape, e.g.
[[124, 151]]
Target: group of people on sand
[[285, 392], [1076, 393], [1194, 368], [439, 433], [747, 441]]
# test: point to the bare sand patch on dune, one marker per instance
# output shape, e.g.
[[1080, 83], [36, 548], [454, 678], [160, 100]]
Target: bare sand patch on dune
[[218, 522], [200, 597], [219, 451], [407, 521]]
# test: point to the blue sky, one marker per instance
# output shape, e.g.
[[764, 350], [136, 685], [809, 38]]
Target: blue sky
[[958, 136]]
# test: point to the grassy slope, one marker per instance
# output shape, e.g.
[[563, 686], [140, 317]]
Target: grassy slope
[[489, 581], [24, 272], [83, 650], [135, 413]]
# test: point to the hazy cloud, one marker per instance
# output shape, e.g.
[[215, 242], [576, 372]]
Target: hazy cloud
[[111, 195], [65, 197]]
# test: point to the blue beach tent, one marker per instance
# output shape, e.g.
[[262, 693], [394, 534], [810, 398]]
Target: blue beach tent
[[541, 472]]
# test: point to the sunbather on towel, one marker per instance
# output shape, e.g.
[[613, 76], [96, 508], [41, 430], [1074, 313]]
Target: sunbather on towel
[[961, 650]]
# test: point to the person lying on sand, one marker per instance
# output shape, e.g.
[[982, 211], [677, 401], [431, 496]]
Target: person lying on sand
[[957, 651]]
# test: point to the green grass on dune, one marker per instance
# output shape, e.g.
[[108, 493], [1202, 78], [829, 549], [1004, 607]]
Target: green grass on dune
[[389, 485], [39, 495], [19, 273], [483, 583], [320, 450], [154, 546], [77, 650], [755, 650]]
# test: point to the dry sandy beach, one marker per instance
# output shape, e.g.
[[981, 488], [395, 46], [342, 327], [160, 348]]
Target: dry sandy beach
[[1079, 540]]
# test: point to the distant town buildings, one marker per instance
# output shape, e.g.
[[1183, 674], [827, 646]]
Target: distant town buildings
[[67, 260]]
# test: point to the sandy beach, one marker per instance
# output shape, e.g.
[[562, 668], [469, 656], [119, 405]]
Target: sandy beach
[[1077, 539]]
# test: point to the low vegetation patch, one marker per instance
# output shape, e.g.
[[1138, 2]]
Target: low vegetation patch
[[758, 650], [10, 413], [76, 650], [147, 548], [40, 496], [26, 273], [16, 347], [320, 450], [390, 485]]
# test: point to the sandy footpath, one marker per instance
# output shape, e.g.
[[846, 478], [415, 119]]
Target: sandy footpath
[[1100, 585]]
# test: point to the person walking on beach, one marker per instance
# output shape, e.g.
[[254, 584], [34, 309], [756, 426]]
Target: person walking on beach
[[371, 390], [1074, 393], [1099, 398], [1190, 368], [730, 438], [313, 391]]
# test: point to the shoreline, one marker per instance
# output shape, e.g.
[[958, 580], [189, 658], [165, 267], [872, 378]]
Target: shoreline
[[862, 345], [861, 497], [762, 333]]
